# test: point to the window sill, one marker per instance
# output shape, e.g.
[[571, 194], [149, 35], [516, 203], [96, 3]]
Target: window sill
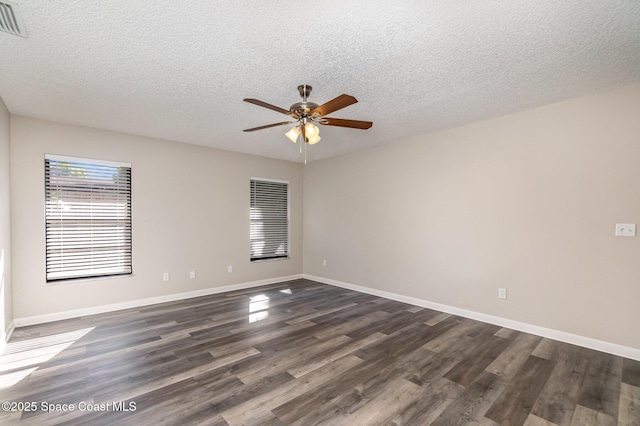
[[269, 260], [84, 280]]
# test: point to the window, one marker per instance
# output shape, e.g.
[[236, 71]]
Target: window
[[88, 218], [269, 219]]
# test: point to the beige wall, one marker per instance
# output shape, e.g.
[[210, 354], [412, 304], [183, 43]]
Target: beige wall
[[5, 222], [190, 212], [527, 202]]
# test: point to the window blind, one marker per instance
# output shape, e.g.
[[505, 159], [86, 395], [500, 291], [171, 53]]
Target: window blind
[[269, 220], [88, 218]]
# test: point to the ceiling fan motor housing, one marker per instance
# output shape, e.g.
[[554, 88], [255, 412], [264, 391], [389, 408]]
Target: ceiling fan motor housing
[[302, 109]]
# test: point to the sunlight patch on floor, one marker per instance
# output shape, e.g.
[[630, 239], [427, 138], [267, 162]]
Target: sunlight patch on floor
[[23, 357], [258, 307]]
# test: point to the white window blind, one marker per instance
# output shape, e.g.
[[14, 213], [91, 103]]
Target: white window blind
[[88, 218], [269, 219]]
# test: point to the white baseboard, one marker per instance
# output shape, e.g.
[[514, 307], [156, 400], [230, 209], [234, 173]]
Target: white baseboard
[[562, 336], [57, 316], [5, 335]]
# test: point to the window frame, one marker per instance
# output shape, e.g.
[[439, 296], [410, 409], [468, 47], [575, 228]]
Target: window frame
[[273, 258], [88, 274]]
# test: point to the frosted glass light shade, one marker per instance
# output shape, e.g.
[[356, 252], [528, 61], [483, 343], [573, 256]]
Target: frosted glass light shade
[[293, 134], [311, 130], [314, 140]]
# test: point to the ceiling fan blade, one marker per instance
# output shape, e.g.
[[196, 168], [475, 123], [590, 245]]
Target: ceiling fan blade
[[340, 102], [267, 126], [266, 105], [354, 124]]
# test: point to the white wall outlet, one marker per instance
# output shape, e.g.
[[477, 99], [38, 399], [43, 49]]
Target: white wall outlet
[[230, 269], [502, 293], [625, 229], [192, 274], [165, 276], [324, 262]]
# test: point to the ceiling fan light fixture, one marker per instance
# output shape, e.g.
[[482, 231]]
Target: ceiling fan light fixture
[[305, 113], [293, 134]]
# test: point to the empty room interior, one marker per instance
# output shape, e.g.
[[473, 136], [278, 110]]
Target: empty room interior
[[343, 213]]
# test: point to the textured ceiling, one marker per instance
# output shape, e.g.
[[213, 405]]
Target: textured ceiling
[[179, 70]]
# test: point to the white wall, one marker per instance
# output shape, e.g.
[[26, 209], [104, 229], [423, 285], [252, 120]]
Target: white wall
[[527, 202], [6, 315], [190, 212]]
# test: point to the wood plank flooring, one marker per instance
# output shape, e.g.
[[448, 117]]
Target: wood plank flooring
[[305, 353]]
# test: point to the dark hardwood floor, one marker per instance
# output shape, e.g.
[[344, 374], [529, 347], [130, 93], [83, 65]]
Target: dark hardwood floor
[[304, 353]]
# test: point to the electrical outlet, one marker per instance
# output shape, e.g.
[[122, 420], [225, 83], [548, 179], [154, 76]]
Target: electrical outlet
[[230, 269], [192, 274], [324, 262], [165, 276], [625, 229], [502, 293]]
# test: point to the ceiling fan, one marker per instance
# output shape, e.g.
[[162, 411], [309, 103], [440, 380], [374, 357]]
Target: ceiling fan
[[306, 113]]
